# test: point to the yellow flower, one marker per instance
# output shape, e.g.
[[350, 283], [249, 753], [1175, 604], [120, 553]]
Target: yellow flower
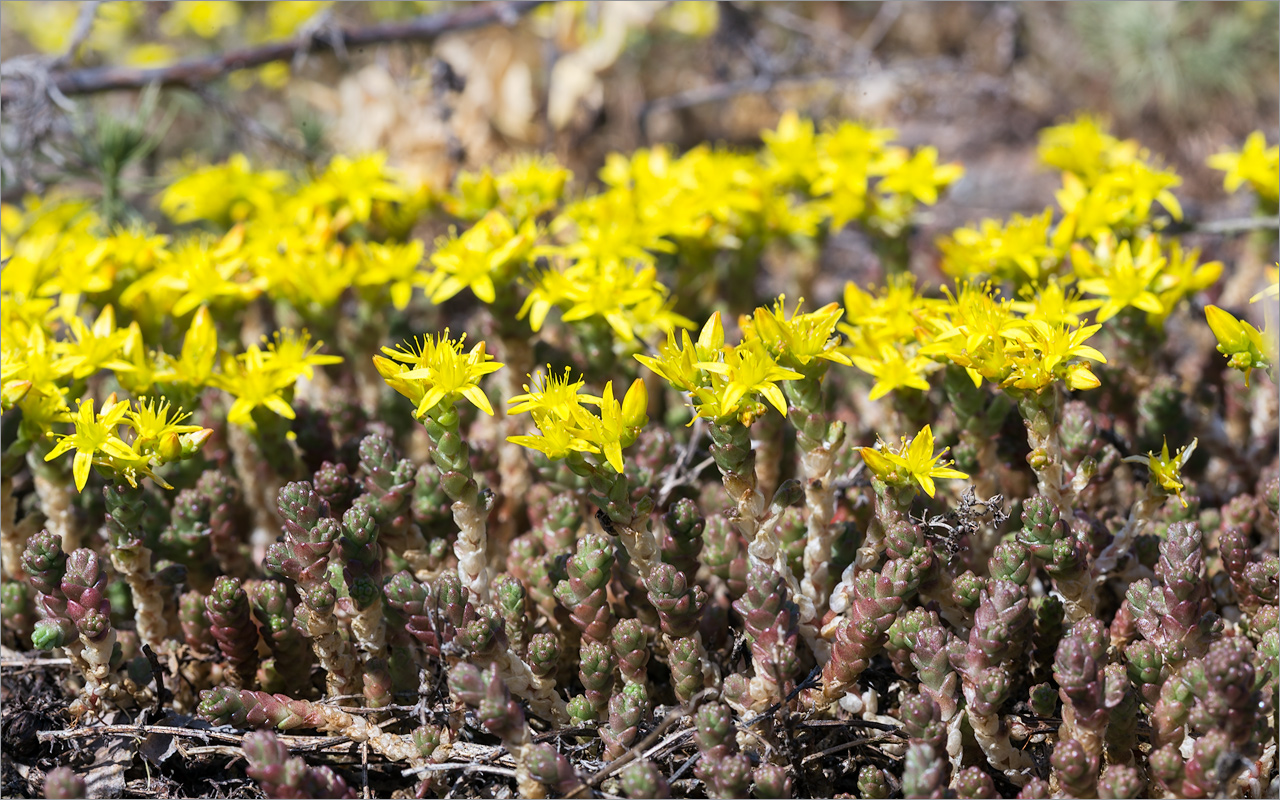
[[976, 332], [558, 440], [39, 363], [553, 397], [223, 193], [254, 381], [681, 364], [1166, 470], [1240, 342], [293, 355], [353, 185], [194, 365], [1125, 281], [1047, 355], [476, 195], [532, 186], [911, 461], [620, 423], [442, 371], [162, 435], [748, 369], [146, 365], [96, 347], [1084, 148], [792, 150], [199, 272], [204, 18], [1015, 250], [1256, 164], [801, 338], [1183, 276], [1056, 344], [892, 371], [95, 433], [566, 426], [892, 315], [1052, 303], [492, 248], [392, 265], [921, 177]]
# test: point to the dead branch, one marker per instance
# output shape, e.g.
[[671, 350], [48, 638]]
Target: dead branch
[[203, 70], [648, 741]]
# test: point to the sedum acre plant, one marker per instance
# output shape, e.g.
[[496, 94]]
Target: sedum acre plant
[[1021, 524]]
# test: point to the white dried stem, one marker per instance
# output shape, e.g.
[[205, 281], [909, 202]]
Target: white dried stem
[[332, 651], [471, 548], [993, 738], [539, 693], [149, 603], [820, 504]]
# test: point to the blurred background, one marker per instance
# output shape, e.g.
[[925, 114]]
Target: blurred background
[[582, 79]]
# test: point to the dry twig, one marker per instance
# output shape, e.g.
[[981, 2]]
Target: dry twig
[[203, 70]]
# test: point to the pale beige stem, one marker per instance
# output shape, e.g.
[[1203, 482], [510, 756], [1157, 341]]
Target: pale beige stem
[[396, 747], [641, 544], [539, 693], [332, 651], [369, 629], [94, 660], [757, 528], [820, 506], [149, 607], [471, 548], [1090, 739], [56, 502], [993, 738]]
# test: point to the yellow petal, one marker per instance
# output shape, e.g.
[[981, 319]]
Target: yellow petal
[[926, 483], [277, 404], [80, 469], [635, 405], [478, 399], [613, 454], [774, 395]]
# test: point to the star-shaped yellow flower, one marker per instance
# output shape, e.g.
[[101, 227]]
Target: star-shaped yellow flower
[[439, 372], [95, 433], [911, 461], [1166, 470]]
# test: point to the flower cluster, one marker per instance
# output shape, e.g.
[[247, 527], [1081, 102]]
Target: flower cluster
[[1023, 523], [566, 426]]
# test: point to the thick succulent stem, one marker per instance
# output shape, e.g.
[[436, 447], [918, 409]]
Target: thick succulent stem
[[291, 655], [513, 464], [227, 609], [132, 559], [1042, 414], [84, 586], [818, 440], [304, 557], [620, 514], [362, 569], [487, 693], [470, 508]]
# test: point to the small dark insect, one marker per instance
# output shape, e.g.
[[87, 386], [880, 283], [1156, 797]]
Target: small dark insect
[[605, 521]]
